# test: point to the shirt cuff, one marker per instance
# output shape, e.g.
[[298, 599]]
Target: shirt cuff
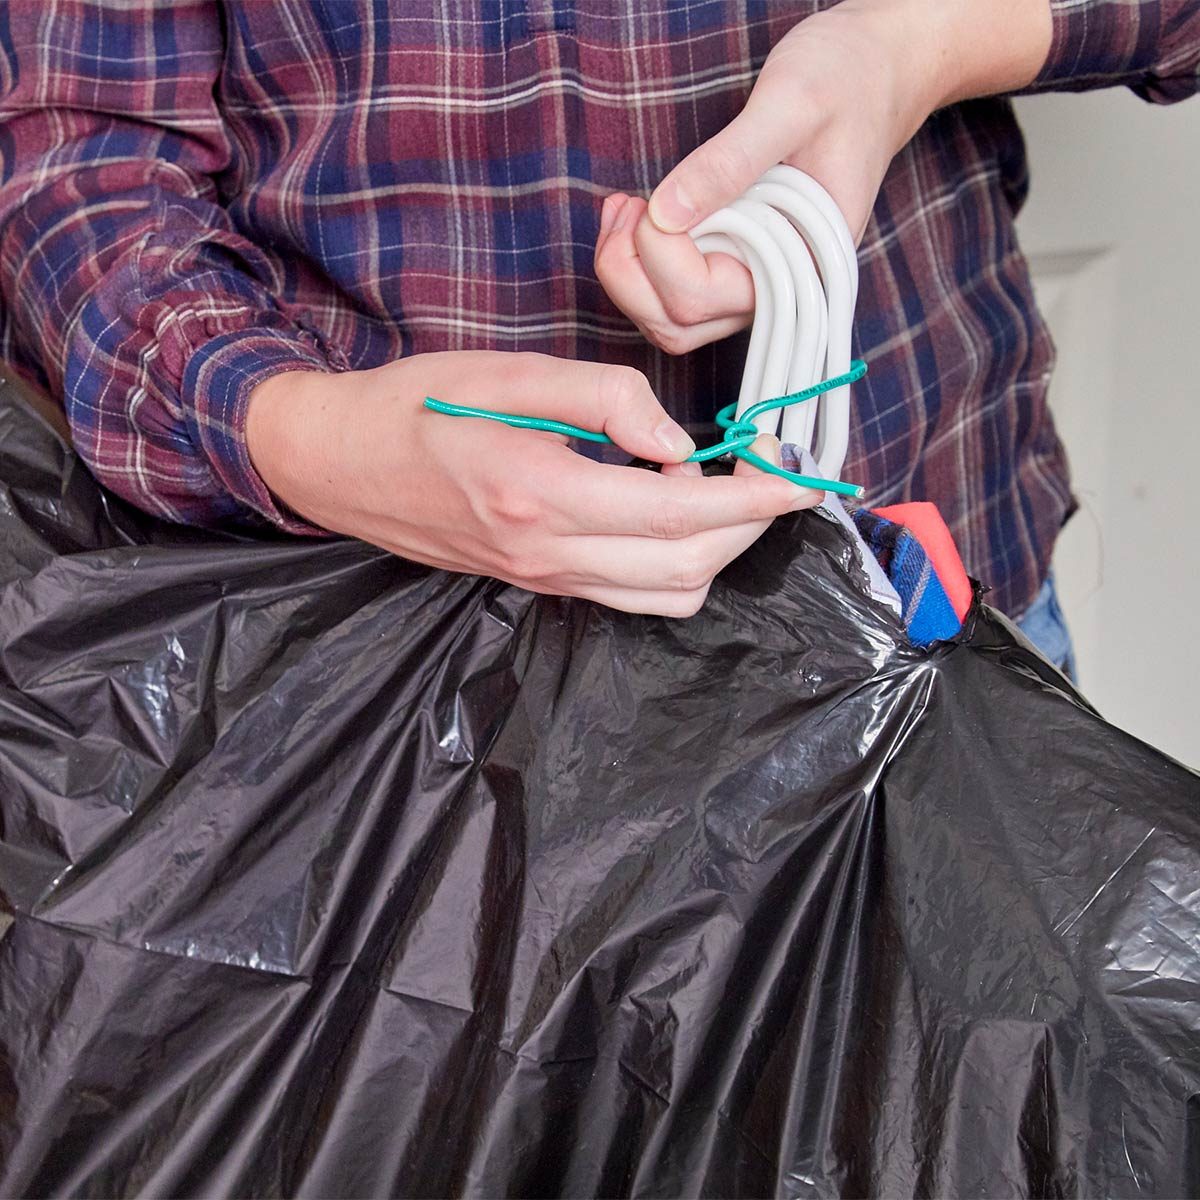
[[216, 387], [1094, 43]]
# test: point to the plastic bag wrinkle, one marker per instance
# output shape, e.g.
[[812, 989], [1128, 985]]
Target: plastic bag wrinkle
[[328, 874]]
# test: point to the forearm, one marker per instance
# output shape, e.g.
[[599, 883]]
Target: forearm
[[150, 319], [985, 47], [123, 279], [950, 50]]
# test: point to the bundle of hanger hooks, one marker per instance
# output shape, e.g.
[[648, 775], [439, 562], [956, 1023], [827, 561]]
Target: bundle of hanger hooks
[[790, 234]]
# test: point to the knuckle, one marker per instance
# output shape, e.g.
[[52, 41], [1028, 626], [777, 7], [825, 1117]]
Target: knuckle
[[670, 339], [669, 519], [691, 574], [514, 507], [621, 388], [684, 306]]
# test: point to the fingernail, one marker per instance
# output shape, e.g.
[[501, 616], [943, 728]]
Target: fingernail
[[690, 468], [671, 208], [766, 445], [674, 439], [806, 498], [619, 219]]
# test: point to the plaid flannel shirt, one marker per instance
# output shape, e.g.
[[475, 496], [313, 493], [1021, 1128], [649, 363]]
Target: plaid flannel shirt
[[196, 194]]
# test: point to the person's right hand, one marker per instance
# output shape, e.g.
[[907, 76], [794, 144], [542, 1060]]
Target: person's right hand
[[837, 97], [357, 453]]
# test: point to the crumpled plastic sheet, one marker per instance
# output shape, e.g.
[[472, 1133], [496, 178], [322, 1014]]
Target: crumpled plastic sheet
[[325, 874]]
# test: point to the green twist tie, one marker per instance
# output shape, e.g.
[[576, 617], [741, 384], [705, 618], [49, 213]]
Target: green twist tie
[[739, 435]]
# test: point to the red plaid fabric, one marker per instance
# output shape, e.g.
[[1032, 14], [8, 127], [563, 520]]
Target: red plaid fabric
[[196, 194]]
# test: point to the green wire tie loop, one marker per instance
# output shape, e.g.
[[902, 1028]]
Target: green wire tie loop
[[739, 434]]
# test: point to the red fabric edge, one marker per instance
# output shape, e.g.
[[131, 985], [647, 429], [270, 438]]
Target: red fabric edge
[[922, 519]]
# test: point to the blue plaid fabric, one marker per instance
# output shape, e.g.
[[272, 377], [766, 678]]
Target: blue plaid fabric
[[927, 612]]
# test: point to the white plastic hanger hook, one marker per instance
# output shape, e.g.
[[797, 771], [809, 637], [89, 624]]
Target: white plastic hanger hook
[[792, 236]]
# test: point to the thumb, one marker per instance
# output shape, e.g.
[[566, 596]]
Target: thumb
[[720, 170]]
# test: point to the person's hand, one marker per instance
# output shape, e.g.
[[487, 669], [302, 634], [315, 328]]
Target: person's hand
[[357, 453], [838, 97]]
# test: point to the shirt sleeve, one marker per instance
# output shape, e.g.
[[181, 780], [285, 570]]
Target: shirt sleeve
[[124, 286], [1149, 46]]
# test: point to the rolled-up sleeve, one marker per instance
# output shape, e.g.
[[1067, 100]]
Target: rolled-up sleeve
[[1149, 46], [126, 290]]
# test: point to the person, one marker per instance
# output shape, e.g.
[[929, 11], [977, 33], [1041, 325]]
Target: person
[[243, 239]]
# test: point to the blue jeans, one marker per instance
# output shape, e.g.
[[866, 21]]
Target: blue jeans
[[1046, 627]]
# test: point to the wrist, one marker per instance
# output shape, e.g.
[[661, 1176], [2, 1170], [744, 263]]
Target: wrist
[[945, 51], [280, 424], [976, 48]]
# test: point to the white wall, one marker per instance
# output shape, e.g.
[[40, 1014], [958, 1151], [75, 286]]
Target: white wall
[[1113, 231]]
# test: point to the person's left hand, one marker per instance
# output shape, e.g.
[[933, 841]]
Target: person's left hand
[[837, 97]]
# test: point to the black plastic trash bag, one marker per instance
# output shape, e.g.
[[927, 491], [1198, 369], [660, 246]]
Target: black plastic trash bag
[[329, 875]]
